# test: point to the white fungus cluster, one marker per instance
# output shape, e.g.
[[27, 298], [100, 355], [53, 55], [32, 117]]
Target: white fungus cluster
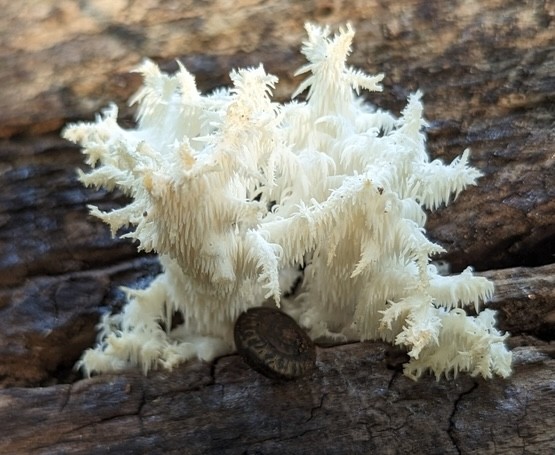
[[242, 197]]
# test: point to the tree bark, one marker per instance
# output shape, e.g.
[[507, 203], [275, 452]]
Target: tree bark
[[487, 75], [352, 404]]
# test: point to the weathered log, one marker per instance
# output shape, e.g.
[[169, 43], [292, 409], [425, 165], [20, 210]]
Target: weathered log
[[485, 72], [352, 404], [487, 75], [49, 321], [525, 298]]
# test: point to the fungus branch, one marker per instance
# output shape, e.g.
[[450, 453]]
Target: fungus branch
[[241, 197]]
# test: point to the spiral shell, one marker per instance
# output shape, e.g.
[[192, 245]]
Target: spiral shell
[[273, 344]]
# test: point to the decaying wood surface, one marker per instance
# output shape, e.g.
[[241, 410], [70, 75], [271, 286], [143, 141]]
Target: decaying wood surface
[[486, 69], [352, 404]]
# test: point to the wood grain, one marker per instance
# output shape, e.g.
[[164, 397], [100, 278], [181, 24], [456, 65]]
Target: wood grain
[[352, 404], [486, 70]]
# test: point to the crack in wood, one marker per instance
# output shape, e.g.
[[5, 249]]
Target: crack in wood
[[452, 418]]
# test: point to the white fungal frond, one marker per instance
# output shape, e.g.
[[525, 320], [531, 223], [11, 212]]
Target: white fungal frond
[[241, 197]]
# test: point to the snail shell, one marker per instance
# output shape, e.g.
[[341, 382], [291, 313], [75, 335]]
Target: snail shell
[[272, 343]]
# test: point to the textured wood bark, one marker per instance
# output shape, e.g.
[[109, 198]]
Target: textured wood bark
[[487, 75], [484, 67], [352, 404], [525, 298]]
